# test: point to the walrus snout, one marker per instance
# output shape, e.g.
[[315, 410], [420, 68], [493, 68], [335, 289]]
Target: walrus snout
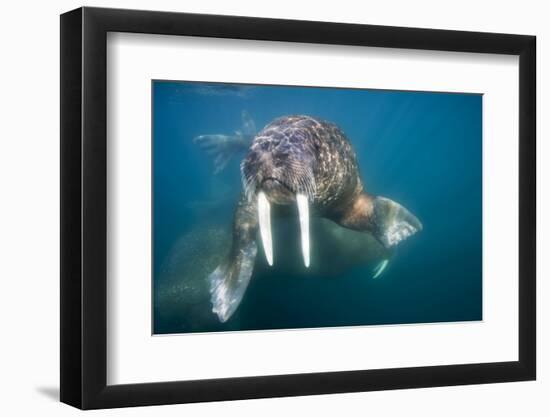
[[280, 173], [277, 191]]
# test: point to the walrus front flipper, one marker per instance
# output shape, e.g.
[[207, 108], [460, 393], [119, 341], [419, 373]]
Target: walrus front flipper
[[391, 222], [224, 147], [380, 267], [229, 281], [388, 221]]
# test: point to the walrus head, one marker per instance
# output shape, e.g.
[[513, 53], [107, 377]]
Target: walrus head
[[279, 170]]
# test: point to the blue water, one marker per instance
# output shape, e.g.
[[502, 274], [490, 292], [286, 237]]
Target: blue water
[[421, 149]]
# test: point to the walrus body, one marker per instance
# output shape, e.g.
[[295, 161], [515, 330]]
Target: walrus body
[[309, 163]]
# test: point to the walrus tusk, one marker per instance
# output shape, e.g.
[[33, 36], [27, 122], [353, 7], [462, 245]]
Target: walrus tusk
[[264, 217], [303, 210]]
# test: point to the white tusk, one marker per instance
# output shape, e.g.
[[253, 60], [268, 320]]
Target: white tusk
[[303, 211], [264, 217], [380, 268]]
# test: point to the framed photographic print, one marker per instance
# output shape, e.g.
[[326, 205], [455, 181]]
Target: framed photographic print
[[258, 208]]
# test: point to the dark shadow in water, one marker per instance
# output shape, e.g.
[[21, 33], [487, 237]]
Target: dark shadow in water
[[50, 392]]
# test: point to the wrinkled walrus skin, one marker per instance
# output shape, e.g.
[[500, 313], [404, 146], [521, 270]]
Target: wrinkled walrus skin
[[308, 163]]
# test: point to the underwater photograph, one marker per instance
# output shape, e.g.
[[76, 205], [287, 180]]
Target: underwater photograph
[[291, 207]]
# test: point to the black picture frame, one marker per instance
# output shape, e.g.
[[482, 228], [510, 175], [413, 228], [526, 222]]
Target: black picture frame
[[84, 207]]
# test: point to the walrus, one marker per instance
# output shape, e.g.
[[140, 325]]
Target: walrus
[[307, 163]]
